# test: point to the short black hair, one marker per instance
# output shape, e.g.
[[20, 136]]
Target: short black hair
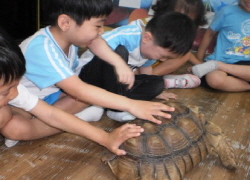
[[187, 6], [78, 10], [12, 62], [172, 30]]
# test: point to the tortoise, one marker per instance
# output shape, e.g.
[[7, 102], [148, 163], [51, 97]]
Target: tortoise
[[171, 149]]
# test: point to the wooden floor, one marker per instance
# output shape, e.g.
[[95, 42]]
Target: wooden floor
[[69, 157]]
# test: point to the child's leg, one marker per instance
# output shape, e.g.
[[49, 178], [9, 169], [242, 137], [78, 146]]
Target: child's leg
[[202, 69], [69, 104], [99, 73], [20, 127], [227, 77], [240, 69], [222, 81], [80, 109], [23, 126], [146, 87]]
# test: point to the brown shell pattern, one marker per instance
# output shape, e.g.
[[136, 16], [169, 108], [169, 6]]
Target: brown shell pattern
[[171, 149], [173, 137]]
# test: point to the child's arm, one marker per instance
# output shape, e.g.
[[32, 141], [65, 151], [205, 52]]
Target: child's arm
[[67, 122], [100, 48], [194, 60], [146, 70], [206, 39], [170, 65], [97, 96]]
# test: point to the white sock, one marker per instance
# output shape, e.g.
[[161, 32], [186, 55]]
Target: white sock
[[204, 68], [120, 116], [9, 143], [91, 113]]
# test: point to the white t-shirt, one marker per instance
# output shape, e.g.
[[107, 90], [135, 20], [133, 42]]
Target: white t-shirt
[[24, 99]]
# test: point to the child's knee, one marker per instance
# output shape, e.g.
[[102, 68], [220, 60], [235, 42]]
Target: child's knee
[[215, 81], [13, 129]]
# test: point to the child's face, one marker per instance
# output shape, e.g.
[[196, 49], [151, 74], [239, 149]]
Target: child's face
[[84, 34], [8, 92], [150, 50], [245, 4]]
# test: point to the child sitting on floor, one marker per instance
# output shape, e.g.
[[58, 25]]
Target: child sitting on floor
[[196, 11], [52, 61], [228, 67], [40, 119], [165, 37]]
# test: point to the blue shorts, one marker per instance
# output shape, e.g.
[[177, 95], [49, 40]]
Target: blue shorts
[[52, 98]]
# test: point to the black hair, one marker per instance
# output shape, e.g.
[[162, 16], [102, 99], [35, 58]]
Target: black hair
[[78, 10], [12, 62], [184, 6], [172, 30]]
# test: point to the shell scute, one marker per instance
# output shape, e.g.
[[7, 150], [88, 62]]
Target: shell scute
[[174, 139], [191, 129]]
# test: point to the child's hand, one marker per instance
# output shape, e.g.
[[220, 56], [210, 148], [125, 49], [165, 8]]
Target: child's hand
[[121, 134], [166, 96], [125, 75], [147, 110]]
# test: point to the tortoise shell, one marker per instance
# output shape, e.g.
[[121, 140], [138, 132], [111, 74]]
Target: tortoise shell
[[171, 149]]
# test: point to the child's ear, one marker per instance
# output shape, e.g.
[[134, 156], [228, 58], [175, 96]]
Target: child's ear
[[64, 22], [147, 36]]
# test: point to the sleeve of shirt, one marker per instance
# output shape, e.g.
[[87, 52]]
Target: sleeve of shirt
[[126, 35], [216, 24], [24, 100], [46, 65]]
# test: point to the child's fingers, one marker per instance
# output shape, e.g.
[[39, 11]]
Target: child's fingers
[[124, 133], [127, 79], [132, 130], [161, 110], [130, 81], [154, 120], [119, 152]]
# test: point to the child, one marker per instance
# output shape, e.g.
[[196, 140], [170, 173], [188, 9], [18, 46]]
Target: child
[[227, 68], [165, 37], [196, 11], [23, 126], [192, 8], [52, 62]]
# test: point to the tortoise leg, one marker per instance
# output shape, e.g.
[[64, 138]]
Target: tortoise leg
[[221, 145], [226, 153]]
